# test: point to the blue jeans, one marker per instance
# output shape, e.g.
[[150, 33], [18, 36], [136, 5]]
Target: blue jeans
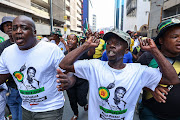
[[14, 102], [2, 104]]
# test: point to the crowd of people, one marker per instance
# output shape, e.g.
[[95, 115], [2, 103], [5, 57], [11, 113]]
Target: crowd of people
[[113, 67]]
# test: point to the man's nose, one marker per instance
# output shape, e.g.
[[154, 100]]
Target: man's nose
[[9, 26], [71, 40], [19, 30], [179, 39], [112, 45]]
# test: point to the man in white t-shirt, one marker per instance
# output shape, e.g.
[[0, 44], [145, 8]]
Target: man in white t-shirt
[[114, 87], [136, 41], [33, 66]]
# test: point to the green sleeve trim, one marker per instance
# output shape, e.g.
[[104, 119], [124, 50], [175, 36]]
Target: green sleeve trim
[[104, 46], [153, 63]]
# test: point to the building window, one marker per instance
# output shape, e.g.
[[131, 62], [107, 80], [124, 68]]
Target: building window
[[131, 8]]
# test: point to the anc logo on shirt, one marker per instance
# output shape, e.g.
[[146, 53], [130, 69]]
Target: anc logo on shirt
[[104, 93], [19, 76], [61, 48]]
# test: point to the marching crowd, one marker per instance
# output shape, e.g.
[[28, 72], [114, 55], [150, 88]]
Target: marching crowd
[[113, 67]]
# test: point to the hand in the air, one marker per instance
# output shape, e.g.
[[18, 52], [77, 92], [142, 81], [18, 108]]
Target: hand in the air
[[147, 44]]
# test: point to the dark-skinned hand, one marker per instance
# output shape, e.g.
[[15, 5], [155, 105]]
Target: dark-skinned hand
[[63, 79]]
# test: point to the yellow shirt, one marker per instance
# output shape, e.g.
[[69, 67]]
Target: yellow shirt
[[99, 49], [132, 44]]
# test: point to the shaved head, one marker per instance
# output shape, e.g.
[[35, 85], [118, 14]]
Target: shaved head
[[27, 19], [24, 32]]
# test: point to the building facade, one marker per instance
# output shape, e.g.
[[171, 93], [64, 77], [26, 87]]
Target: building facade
[[117, 14], [94, 23], [73, 12], [39, 11], [162, 10], [136, 16], [85, 14]]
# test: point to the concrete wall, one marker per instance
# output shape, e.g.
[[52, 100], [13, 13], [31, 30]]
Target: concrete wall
[[128, 22], [155, 16], [42, 29], [170, 3], [73, 14], [24, 3], [59, 10], [143, 9], [141, 18]]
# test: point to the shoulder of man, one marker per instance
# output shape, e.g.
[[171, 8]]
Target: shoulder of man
[[5, 43]]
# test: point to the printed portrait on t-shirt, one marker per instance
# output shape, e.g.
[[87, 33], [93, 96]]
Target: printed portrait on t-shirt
[[118, 97], [32, 82], [112, 101]]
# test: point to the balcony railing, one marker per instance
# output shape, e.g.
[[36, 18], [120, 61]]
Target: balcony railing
[[39, 7]]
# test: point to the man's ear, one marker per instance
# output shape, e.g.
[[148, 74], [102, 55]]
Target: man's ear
[[160, 40], [126, 50], [34, 33]]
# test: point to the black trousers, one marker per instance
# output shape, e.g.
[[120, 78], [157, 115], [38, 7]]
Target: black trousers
[[78, 94]]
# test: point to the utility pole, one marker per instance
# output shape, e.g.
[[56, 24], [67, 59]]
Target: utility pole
[[51, 16]]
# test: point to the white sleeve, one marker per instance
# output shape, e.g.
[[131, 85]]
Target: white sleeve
[[151, 77], [83, 69], [58, 56], [3, 67], [3, 86]]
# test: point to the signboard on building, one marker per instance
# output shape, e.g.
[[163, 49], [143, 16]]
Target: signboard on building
[[65, 27], [65, 17]]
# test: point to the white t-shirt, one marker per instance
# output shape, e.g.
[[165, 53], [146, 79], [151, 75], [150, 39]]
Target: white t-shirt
[[136, 43], [35, 71], [60, 45], [45, 39], [113, 93]]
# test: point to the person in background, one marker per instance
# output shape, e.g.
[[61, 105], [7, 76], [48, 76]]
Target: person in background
[[136, 41], [137, 51], [14, 100], [56, 38], [132, 40], [82, 40], [78, 93], [101, 47], [163, 103]]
